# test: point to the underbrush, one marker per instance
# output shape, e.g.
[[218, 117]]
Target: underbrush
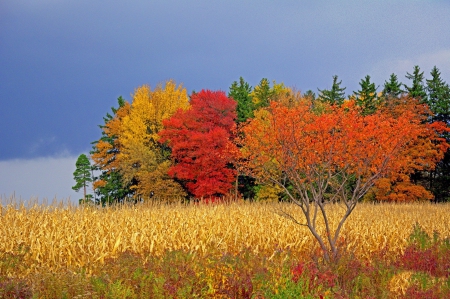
[[421, 271]]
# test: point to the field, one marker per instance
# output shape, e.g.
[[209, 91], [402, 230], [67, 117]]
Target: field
[[235, 250]]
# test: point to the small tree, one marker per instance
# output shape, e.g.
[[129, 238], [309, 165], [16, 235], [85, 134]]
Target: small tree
[[392, 88], [332, 156], [240, 92], [335, 95], [82, 176], [417, 89], [367, 97]]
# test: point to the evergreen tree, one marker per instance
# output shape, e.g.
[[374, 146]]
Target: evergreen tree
[[367, 96], [439, 102], [417, 89], [82, 176], [393, 88], [240, 92], [310, 94], [109, 184], [335, 95], [262, 94], [438, 96]]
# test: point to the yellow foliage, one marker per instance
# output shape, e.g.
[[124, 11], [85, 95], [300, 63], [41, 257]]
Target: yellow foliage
[[142, 157], [105, 157], [269, 193]]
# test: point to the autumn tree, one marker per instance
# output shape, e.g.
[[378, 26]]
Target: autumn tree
[[82, 176], [419, 156], [143, 159], [201, 142], [335, 95], [109, 185], [334, 156]]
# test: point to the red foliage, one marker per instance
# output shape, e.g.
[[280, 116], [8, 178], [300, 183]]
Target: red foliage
[[201, 142]]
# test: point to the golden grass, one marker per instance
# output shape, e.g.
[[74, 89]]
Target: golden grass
[[59, 236]]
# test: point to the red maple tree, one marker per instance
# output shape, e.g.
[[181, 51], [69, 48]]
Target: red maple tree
[[201, 143]]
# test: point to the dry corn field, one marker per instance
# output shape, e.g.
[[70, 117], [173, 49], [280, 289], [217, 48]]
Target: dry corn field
[[58, 237]]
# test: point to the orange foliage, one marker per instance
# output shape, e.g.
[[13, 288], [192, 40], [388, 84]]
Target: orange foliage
[[420, 155], [329, 154], [299, 139], [106, 154]]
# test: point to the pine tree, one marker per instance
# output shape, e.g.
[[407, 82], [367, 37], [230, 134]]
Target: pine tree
[[310, 95], [439, 102], [109, 184], [367, 96], [240, 92], [392, 88], [335, 95], [417, 89], [438, 96], [262, 94], [82, 176]]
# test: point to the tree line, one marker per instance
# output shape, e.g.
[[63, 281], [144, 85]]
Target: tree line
[[271, 142]]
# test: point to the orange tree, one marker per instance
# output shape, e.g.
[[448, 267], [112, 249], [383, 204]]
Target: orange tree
[[421, 155], [334, 154]]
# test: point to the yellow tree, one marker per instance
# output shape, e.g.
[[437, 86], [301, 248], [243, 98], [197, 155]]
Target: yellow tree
[[143, 159]]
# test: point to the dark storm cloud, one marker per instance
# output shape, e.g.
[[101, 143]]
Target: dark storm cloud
[[64, 63]]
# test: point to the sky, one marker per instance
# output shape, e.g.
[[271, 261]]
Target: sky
[[63, 64]]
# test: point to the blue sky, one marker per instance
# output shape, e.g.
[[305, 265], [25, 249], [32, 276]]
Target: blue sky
[[64, 63]]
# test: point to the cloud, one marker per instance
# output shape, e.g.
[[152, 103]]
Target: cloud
[[40, 143], [41, 178], [426, 61]]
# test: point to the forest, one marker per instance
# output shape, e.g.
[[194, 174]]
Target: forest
[[165, 145]]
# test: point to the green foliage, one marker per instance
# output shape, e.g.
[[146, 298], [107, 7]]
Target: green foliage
[[262, 94], [420, 237], [240, 92], [438, 96], [367, 97], [82, 175], [335, 95], [393, 88], [114, 189], [417, 89]]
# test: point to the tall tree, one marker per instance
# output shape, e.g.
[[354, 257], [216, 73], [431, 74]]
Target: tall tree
[[438, 96], [240, 92], [144, 159], [392, 88], [420, 157], [367, 97], [82, 176], [308, 154], [417, 89], [262, 94], [439, 102], [335, 95], [109, 184], [201, 143]]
